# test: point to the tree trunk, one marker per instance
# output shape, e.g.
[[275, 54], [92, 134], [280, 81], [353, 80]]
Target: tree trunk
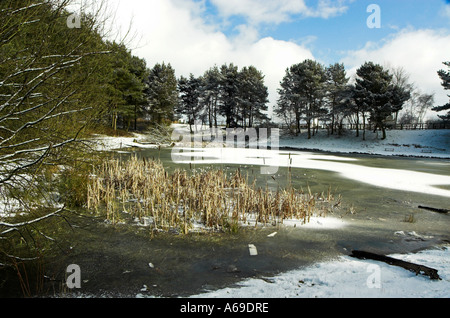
[[190, 124], [364, 126], [114, 121], [357, 124], [332, 124], [418, 269], [135, 117], [215, 112], [210, 115], [309, 128]]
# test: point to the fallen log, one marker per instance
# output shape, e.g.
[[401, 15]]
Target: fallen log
[[418, 269], [434, 209]]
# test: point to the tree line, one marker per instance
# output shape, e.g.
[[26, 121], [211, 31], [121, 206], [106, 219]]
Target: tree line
[[57, 82], [239, 96], [311, 93]]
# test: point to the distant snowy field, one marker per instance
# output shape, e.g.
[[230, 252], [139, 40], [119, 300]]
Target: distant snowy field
[[417, 143], [348, 277]]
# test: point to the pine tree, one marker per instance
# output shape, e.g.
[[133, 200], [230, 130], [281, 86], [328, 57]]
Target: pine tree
[[229, 93], [253, 96], [126, 87], [359, 106], [376, 93], [312, 87], [161, 93], [210, 94], [138, 69], [445, 77], [190, 90], [337, 82], [291, 105]]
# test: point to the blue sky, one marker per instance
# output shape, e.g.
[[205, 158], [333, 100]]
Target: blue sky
[[329, 38], [194, 35]]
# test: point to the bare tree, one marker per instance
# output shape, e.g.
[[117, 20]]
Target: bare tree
[[48, 74], [401, 79], [416, 108]]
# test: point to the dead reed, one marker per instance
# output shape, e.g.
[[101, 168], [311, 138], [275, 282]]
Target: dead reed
[[210, 198]]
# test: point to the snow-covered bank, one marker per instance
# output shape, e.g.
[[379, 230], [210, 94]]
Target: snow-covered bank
[[350, 277], [108, 143], [410, 143]]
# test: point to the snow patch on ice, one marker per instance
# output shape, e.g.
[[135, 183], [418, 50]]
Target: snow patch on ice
[[398, 179], [316, 223]]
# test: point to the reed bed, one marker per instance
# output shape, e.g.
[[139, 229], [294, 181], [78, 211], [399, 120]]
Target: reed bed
[[207, 200]]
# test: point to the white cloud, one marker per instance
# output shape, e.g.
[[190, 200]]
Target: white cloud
[[327, 8], [174, 31], [257, 11], [419, 52], [446, 11], [277, 11], [177, 32]]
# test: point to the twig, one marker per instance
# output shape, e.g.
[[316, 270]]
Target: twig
[[21, 224], [434, 209]]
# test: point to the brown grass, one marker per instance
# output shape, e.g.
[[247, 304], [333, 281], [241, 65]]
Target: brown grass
[[144, 189]]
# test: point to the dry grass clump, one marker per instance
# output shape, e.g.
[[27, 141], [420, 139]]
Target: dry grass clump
[[182, 200]]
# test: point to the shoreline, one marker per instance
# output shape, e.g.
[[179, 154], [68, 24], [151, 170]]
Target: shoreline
[[426, 144], [433, 144], [403, 156]]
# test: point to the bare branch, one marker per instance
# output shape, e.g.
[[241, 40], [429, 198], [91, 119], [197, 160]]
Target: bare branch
[[15, 226], [25, 166]]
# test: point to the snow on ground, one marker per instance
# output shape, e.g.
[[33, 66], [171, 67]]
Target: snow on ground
[[417, 143], [108, 143], [317, 223], [348, 277]]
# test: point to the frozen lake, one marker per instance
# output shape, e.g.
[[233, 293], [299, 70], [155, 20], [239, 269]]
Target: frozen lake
[[404, 179], [379, 213]]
